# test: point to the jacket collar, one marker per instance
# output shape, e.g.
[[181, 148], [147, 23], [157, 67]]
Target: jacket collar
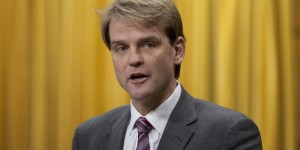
[[177, 133], [118, 130]]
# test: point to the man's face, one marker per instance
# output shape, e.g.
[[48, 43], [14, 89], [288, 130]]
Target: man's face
[[144, 59]]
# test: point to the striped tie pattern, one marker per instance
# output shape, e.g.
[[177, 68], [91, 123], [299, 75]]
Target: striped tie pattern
[[144, 127]]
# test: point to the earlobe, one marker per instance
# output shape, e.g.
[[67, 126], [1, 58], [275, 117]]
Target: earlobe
[[179, 50]]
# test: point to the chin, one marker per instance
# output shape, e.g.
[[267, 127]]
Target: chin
[[140, 95]]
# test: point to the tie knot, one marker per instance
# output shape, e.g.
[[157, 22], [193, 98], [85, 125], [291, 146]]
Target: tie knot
[[143, 125]]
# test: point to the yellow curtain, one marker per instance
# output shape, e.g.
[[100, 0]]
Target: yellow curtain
[[55, 71]]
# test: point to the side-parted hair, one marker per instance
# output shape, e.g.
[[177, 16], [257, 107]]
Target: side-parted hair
[[160, 13]]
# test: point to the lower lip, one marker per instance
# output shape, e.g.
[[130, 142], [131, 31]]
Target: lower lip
[[139, 81]]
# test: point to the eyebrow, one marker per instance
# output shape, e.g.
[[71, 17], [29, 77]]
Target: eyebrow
[[141, 40], [150, 38]]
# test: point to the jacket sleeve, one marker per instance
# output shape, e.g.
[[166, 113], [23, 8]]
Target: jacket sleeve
[[75, 140], [243, 134]]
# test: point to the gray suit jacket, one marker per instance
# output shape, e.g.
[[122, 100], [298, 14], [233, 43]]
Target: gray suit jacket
[[193, 125]]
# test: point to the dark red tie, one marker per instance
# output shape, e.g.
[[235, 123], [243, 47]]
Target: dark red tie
[[144, 127]]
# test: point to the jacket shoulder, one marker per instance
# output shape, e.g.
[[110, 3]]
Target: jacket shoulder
[[105, 120], [88, 133], [227, 127], [216, 112]]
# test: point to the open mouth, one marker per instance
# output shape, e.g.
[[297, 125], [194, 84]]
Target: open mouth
[[137, 76]]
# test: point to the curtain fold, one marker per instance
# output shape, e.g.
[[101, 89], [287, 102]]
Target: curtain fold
[[55, 72]]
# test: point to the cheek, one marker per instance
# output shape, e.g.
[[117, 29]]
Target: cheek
[[118, 62], [118, 68], [164, 63], [119, 73]]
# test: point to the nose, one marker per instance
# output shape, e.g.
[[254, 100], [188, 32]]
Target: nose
[[135, 58]]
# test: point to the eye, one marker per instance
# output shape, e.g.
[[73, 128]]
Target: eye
[[149, 45], [121, 48]]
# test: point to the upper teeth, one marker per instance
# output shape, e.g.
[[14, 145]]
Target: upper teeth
[[136, 75]]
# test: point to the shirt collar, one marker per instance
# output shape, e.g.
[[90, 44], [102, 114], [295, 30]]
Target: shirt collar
[[159, 116]]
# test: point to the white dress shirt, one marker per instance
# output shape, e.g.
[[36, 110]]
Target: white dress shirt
[[157, 117]]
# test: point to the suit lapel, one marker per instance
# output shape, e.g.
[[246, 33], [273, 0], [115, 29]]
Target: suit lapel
[[118, 130], [177, 133], [117, 137]]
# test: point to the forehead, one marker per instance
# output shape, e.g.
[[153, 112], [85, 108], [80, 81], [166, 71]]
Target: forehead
[[120, 28]]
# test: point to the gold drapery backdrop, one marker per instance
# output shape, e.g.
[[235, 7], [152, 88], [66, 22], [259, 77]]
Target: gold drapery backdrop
[[55, 71]]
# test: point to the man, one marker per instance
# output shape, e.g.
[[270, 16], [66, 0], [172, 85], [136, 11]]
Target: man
[[147, 45]]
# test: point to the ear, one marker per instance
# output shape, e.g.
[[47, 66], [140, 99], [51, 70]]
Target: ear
[[179, 48]]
